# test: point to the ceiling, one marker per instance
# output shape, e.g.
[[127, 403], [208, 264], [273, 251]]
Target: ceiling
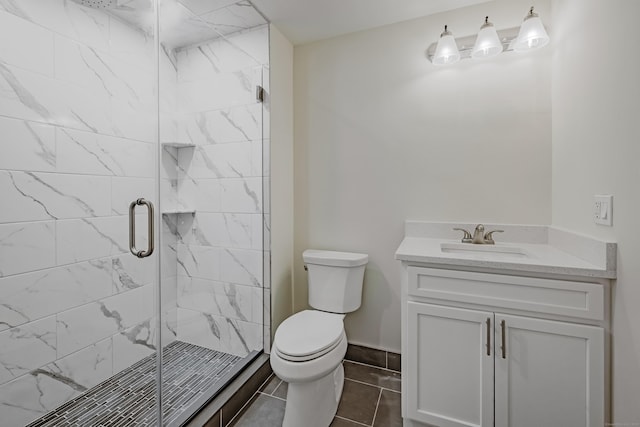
[[304, 21], [187, 22]]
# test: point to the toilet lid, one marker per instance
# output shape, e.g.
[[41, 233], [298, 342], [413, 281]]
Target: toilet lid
[[308, 333]]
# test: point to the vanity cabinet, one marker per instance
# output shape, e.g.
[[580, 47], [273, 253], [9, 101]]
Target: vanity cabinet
[[450, 381], [548, 373], [485, 349]]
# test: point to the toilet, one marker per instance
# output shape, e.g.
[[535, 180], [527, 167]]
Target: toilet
[[308, 347]]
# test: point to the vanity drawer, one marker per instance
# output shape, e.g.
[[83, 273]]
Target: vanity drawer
[[559, 297]]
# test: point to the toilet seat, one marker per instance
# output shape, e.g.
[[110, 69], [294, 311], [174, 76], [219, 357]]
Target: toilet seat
[[308, 335]]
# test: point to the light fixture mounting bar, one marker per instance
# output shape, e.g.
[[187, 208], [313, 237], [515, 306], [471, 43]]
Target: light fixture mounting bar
[[465, 44]]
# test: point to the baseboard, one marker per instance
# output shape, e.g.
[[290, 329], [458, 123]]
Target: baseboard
[[374, 357]]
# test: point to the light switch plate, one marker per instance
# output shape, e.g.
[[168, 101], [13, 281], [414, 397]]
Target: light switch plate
[[603, 209]]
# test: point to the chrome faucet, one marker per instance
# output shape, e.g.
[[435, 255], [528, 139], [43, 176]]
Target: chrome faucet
[[479, 236]]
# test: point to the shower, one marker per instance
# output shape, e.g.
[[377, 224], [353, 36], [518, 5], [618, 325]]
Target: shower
[[104, 106]]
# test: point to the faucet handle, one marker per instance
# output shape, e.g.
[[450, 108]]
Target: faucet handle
[[467, 236], [488, 237]]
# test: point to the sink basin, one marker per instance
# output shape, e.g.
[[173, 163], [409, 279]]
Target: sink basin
[[484, 251]]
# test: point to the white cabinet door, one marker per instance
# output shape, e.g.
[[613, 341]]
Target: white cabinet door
[[548, 373], [450, 366]]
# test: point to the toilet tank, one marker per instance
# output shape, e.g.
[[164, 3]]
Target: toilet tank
[[335, 279]]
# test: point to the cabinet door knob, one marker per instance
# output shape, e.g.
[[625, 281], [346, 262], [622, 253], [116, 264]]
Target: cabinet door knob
[[503, 326]]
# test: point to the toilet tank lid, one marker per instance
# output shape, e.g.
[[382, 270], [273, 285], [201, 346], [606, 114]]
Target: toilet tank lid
[[338, 259]]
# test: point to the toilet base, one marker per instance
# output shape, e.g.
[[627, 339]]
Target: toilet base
[[314, 404]]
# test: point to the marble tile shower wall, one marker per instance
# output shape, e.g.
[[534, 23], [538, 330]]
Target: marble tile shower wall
[[77, 133], [220, 249]]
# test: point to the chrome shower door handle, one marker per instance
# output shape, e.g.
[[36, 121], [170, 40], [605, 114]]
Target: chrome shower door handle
[[132, 228]]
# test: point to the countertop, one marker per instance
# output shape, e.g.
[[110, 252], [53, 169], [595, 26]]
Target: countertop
[[547, 250]]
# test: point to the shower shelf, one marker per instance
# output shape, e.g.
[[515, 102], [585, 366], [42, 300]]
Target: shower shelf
[[178, 145], [179, 212]]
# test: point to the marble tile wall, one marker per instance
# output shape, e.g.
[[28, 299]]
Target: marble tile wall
[[77, 144], [220, 274]]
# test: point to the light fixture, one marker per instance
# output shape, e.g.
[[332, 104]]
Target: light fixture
[[532, 33], [447, 49], [487, 43]]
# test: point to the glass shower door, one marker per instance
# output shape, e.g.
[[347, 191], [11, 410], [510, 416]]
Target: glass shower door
[[78, 145], [214, 58]]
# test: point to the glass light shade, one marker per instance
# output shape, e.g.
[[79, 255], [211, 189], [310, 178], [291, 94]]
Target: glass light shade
[[487, 43], [532, 34], [446, 50]]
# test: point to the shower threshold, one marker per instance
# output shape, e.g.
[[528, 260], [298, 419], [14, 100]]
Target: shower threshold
[[191, 376]]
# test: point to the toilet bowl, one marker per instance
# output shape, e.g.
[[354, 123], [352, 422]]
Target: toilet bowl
[[314, 373], [308, 347]]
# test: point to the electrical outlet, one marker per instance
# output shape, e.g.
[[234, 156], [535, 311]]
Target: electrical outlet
[[603, 210]]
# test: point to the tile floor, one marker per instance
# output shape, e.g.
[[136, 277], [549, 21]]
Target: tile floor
[[371, 397]]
